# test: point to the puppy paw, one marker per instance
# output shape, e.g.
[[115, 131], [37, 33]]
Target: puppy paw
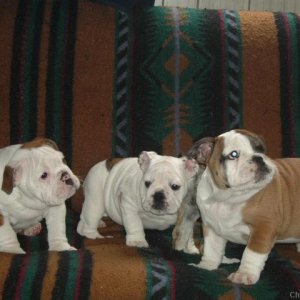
[[226, 260], [91, 233], [33, 231], [137, 243], [15, 250], [243, 278], [206, 264], [61, 247], [191, 249]]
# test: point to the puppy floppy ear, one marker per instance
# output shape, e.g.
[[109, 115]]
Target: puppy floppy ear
[[39, 142], [11, 178], [145, 158], [201, 151], [191, 167]]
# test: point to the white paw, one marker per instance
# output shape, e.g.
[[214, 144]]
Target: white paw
[[16, 250], [137, 243], [191, 250], [91, 233], [207, 265], [61, 247], [226, 260], [243, 278], [94, 235]]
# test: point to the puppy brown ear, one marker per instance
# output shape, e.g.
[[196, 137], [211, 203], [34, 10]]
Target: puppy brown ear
[[39, 142], [8, 180], [257, 142], [202, 150]]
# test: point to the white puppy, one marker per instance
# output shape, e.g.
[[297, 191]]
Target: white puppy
[[35, 184], [138, 193]]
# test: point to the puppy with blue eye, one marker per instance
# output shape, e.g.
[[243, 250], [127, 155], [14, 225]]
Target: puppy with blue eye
[[244, 197], [139, 193]]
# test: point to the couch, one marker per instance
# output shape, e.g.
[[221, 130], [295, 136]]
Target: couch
[[103, 83]]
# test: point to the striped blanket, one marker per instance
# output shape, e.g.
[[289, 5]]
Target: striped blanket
[[103, 82], [108, 269]]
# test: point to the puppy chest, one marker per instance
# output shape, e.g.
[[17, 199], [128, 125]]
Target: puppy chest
[[226, 220]]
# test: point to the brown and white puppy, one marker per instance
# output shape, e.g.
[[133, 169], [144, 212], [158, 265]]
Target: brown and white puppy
[[244, 197], [35, 183]]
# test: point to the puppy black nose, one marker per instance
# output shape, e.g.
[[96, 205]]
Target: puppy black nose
[[158, 200], [65, 177], [258, 160]]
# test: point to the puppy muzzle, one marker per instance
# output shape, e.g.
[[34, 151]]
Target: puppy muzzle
[[66, 178], [159, 200], [262, 168]]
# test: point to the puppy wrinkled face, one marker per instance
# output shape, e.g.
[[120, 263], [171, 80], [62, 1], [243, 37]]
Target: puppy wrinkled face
[[42, 174], [165, 184], [242, 160]]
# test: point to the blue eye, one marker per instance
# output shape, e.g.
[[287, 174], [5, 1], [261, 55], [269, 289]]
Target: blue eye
[[44, 175], [233, 155]]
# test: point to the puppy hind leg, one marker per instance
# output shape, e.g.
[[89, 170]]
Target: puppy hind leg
[[93, 207], [90, 220], [183, 231], [8, 239]]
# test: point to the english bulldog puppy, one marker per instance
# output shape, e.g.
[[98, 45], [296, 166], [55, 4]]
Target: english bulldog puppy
[[138, 193], [244, 197], [35, 183]]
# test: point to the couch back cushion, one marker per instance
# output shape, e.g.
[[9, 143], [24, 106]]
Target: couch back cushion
[[102, 82]]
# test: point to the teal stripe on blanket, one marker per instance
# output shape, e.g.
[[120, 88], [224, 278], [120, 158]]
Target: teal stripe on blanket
[[233, 69], [73, 277], [24, 70], [121, 100], [295, 78], [288, 38], [31, 272], [61, 55]]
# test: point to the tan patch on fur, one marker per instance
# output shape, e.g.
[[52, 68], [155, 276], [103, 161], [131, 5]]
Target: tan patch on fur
[[1, 220], [8, 183], [274, 212], [39, 142], [256, 140], [111, 162]]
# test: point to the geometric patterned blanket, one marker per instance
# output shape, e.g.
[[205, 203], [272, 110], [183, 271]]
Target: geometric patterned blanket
[[108, 269], [103, 82]]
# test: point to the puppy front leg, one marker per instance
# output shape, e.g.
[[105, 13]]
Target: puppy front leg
[[214, 249], [135, 234], [8, 238], [261, 241], [56, 225]]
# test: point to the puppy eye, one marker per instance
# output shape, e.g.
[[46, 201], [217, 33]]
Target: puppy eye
[[175, 187], [44, 175], [147, 183], [233, 155]]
